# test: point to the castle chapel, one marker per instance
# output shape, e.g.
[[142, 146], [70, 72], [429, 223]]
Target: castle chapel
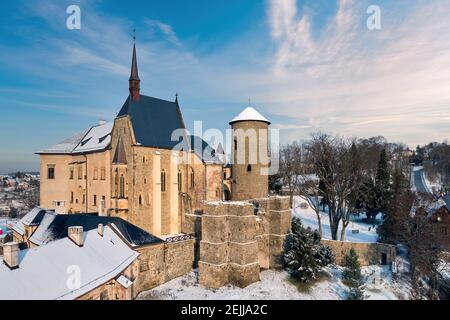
[[132, 168]]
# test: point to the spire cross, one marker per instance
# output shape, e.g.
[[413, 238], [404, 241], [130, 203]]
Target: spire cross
[[134, 35]]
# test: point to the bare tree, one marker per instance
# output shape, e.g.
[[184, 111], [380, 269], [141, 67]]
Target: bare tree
[[308, 188], [290, 157]]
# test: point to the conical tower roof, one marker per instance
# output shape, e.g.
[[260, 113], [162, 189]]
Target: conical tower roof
[[249, 114]]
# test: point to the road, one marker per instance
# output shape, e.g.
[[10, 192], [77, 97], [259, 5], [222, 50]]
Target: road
[[419, 183]]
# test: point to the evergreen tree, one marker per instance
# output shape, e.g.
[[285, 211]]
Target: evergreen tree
[[355, 294], [305, 255], [352, 273], [383, 177]]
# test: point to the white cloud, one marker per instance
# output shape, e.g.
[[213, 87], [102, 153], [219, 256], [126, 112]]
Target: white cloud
[[353, 81], [345, 78]]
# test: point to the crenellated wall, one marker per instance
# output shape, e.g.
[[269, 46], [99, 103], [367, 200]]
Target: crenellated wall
[[240, 238]]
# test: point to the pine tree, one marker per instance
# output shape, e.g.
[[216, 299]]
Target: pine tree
[[383, 177], [352, 273], [355, 294], [304, 254]]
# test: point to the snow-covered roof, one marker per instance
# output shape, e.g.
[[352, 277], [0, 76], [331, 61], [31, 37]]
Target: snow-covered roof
[[124, 281], [66, 146], [249, 114], [44, 272], [52, 227], [96, 138], [32, 218]]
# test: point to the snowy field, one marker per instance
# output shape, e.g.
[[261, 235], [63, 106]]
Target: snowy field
[[277, 285], [366, 232]]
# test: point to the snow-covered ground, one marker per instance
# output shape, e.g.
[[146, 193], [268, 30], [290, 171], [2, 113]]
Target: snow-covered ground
[[366, 232], [277, 285]]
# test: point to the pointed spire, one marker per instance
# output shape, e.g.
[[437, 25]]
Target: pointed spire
[[134, 67], [134, 81]]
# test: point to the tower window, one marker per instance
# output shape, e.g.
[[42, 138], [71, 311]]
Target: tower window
[[103, 173], [180, 178], [192, 178], [140, 200], [71, 174], [95, 174], [122, 187], [235, 144], [95, 200], [163, 181], [249, 168], [51, 172]]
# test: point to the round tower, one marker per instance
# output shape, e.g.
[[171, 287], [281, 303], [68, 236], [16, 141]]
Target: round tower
[[250, 155]]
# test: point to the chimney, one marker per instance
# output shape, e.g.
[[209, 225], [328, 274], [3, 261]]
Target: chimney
[[11, 255], [100, 229], [76, 235]]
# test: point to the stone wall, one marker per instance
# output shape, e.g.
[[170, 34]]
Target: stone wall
[[368, 253], [238, 240], [163, 262]]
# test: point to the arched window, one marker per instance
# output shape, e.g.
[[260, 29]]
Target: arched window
[[140, 200], [122, 187], [192, 178], [249, 168], [163, 181], [180, 181], [116, 183]]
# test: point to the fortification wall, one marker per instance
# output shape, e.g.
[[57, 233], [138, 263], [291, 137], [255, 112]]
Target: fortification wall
[[240, 238], [368, 253]]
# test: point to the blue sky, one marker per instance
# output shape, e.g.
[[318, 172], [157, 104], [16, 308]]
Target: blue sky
[[306, 65]]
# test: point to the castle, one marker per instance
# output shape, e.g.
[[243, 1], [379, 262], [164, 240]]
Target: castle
[[129, 168], [134, 208]]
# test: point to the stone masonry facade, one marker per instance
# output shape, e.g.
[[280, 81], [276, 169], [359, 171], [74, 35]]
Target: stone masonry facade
[[240, 238], [368, 253]]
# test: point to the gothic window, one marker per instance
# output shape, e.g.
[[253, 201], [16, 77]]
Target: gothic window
[[116, 184], [95, 174], [192, 178], [249, 168], [103, 173], [80, 173], [180, 181], [163, 181], [71, 174], [121, 187]]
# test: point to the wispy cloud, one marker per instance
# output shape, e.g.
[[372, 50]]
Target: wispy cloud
[[350, 80]]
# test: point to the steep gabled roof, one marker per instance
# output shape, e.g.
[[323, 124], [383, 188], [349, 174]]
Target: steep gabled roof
[[204, 151], [153, 120], [120, 156]]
